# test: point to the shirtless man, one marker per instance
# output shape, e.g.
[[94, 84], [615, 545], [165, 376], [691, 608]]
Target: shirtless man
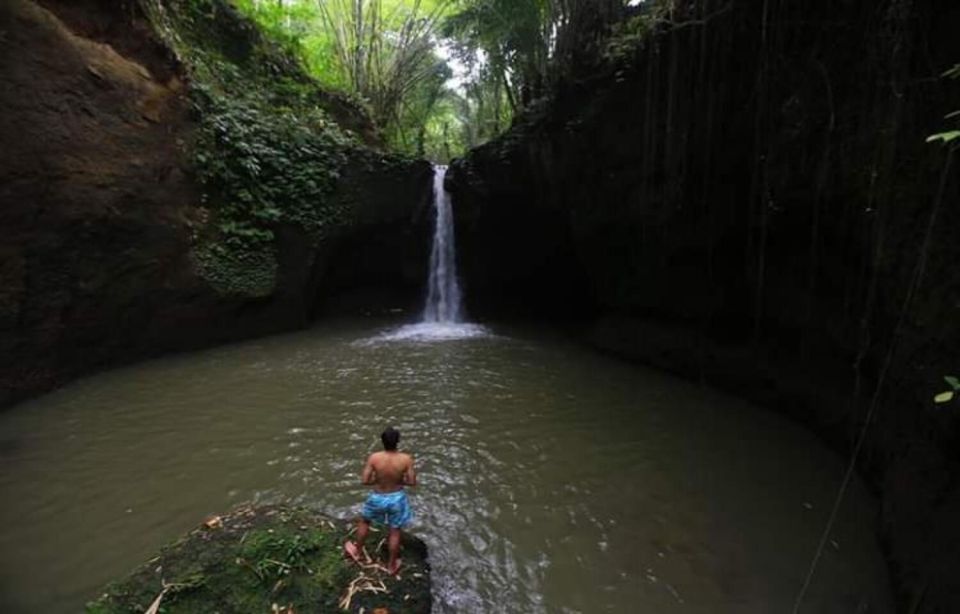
[[388, 472]]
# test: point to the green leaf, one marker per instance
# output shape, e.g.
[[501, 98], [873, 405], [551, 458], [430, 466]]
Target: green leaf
[[946, 137], [953, 381], [944, 397]]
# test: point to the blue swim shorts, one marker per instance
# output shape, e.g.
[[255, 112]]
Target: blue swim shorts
[[389, 508]]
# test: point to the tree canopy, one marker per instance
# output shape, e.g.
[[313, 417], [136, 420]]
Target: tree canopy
[[438, 76]]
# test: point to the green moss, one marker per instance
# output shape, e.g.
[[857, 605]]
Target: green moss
[[257, 557], [265, 150], [237, 268]]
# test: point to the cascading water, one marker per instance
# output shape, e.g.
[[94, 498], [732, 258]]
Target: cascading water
[[443, 294], [443, 312]]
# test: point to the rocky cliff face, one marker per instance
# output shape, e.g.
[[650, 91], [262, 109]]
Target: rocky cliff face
[[100, 211], [747, 198]]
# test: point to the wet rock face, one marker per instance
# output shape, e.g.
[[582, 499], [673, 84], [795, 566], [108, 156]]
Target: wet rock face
[[753, 211], [381, 264], [516, 248], [95, 206], [98, 208]]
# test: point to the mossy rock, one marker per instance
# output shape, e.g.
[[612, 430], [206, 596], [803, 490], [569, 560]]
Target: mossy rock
[[238, 271], [270, 559]]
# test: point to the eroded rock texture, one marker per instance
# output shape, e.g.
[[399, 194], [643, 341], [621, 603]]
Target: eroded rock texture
[[99, 209]]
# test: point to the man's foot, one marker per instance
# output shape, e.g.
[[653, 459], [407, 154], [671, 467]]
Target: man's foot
[[352, 551], [394, 567]]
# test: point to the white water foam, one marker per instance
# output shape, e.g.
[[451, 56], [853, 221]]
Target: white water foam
[[434, 331]]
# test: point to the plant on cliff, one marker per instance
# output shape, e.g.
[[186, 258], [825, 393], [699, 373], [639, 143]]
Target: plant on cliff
[[948, 395], [266, 153], [947, 138], [267, 165], [950, 135], [631, 34]]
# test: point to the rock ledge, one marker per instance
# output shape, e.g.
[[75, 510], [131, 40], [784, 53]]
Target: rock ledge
[[270, 559]]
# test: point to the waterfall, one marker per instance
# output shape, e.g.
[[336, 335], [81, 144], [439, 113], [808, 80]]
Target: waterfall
[[442, 318], [443, 290]]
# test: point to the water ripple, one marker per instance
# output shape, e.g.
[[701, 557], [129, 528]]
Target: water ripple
[[550, 479]]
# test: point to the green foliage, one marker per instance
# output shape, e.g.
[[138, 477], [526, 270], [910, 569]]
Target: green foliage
[[395, 58], [254, 558], [298, 25], [444, 132], [385, 53], [516, 50], [267, 165], [630, 35], [399, 56], [948, 395], [233, 267], [276, 554], [380, 52], [533, 43], [290, 560], [514, 39], [949, 136], [265, 153], [945, 137]]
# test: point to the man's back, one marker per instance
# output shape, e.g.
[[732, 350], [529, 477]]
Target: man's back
[[390, 471]]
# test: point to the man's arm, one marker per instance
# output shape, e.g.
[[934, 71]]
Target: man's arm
[[369, 475], [410, 476]]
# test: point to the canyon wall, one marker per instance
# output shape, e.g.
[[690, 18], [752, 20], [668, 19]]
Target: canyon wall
[[103, 217], [746, 197]]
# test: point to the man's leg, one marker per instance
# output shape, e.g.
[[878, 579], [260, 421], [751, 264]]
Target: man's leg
[[363, 528], [393, 545], [355, 549]]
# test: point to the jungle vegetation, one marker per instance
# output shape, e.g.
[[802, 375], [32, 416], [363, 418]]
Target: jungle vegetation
[[441, 76]]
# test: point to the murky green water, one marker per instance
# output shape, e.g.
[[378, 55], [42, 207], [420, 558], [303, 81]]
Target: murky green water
[[552, 479]]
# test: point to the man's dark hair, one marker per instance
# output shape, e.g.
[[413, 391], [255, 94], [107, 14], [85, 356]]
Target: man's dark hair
[[390, 437]]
